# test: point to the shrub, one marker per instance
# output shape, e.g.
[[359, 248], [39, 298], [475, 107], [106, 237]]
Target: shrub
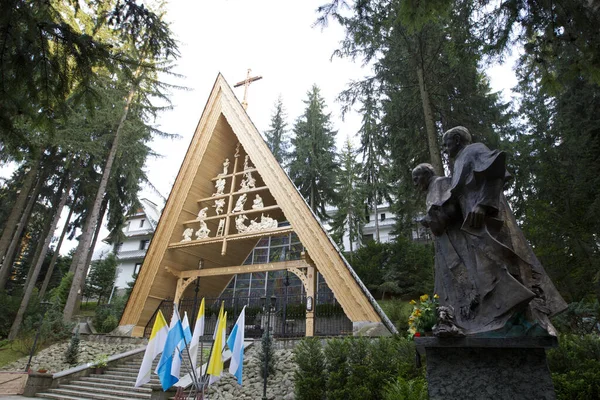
[[336, 359], [23, 344], [575, 367], [266, 352], [406, 389], [110, 323], [310, 376], [580, 318], [384, 364], [398, 312], [72, 354], [59, 294], [358, 368]]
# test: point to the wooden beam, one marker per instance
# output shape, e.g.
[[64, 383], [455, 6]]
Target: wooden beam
[[234, 214], [240, 269], [237, 236]]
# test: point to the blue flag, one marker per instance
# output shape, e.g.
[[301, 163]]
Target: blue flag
[[163, 370], [236, 345]]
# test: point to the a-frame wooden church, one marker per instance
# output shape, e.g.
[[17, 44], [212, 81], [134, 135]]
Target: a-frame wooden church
[[229, 194]]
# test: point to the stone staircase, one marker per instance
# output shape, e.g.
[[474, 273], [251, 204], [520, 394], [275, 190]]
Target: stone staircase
[[115, 384]]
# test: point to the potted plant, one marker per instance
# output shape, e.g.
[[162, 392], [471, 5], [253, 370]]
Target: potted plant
[[424, 315], [100, 364], [42, 369]]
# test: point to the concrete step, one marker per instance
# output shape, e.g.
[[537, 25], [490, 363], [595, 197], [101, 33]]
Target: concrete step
[[119, 374], [98, 379], [132, 370], [109, 385], [59, 396], [90, 391], [64, 393], [117, 377]]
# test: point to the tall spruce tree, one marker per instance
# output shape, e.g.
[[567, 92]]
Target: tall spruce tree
[[373, 147], [276, 136], [425, 60], [313, 166], [555, 166], [350, 215]]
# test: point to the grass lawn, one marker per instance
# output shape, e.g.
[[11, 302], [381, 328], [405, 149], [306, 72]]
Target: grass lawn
[[8, 355]]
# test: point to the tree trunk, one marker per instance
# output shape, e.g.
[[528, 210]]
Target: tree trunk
[[55, 255], [434, 150], [94, 240], [29, 283], [12, 222], [376, 211], [86, 238], [40, 256], [10, 252]]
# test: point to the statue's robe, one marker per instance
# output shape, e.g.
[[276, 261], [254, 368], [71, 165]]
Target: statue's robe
[[489, 275]]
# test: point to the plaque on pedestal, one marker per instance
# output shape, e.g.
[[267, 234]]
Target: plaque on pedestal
[[488, 368]]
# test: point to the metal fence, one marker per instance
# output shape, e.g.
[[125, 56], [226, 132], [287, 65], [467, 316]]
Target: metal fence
[[287, 319]]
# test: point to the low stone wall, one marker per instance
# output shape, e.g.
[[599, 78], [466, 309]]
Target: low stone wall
[[53, 358], [114, 340], [279, 386]]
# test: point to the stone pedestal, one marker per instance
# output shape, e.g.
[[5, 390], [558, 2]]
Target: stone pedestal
[[487, 368]]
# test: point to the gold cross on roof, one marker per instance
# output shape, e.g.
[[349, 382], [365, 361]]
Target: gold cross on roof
[[246, 82]]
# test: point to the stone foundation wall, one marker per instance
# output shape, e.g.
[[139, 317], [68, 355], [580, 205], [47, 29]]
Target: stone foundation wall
[[280, 385]]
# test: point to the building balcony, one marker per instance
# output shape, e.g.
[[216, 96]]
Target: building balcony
[[131, 254]]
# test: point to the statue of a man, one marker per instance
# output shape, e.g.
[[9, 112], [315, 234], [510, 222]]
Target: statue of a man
[[485, 269]]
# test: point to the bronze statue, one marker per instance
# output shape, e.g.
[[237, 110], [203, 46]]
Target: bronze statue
[[484, 267]]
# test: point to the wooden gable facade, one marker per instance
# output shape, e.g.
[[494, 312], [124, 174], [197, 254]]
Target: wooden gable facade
[[227, 159]]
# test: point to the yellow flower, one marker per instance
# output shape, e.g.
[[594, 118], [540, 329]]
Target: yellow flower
[[435, 296], [424, 298], [417, 313], [412, 331], [413, 302]]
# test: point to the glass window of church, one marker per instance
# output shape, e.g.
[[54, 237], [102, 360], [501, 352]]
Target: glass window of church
[[258, 284]]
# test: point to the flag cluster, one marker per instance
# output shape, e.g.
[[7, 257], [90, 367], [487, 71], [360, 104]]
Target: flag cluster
[[172, 341]]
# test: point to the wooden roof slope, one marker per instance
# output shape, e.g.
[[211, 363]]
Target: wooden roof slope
[[223, 123]]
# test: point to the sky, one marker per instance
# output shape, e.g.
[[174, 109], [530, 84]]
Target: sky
[[277, 40]]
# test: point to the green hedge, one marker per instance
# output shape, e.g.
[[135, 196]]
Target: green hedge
[[575, 367], [356, 368]]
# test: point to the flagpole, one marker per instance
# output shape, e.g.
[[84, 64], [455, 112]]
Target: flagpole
[[194, 377], [204, 378]]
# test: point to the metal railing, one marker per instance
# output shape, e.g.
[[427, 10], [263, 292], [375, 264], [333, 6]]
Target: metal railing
[[288, 319]]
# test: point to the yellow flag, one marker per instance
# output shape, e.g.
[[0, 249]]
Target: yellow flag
[[219, 319], [158, 337], [215, 365]]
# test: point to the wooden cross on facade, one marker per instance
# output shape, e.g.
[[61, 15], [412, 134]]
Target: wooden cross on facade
[[246, 82]]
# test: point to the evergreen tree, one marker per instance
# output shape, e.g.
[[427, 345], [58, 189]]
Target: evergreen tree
[[311, 376], [556, 154], [426, 75], [101, 278], [72, 353], [276, 136], [350, 214], [313, 167], [266, 355], [373, 148]]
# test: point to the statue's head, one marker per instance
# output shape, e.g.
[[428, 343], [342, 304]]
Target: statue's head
[[455, 139], [422, 175], [445, 313]]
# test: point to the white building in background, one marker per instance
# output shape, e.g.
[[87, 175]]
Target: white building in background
[[138, 231], [383, 220]]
